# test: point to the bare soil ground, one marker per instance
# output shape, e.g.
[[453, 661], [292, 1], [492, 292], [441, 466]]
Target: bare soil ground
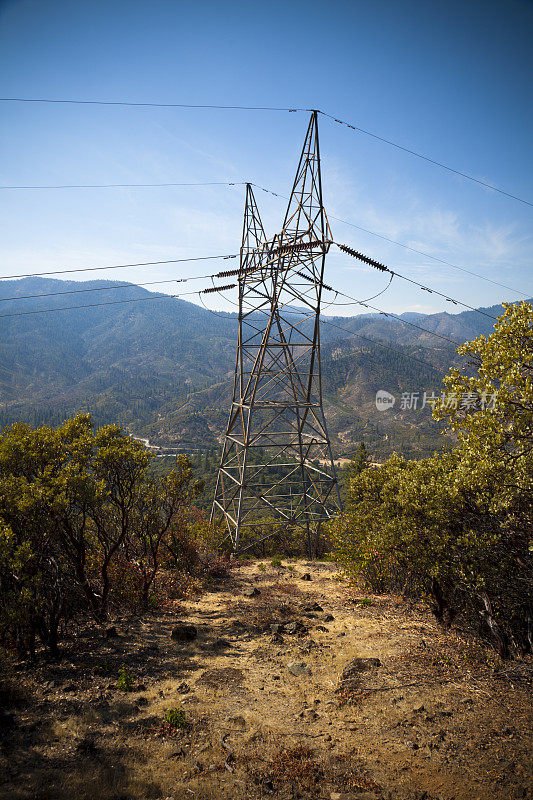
[[439, 717]]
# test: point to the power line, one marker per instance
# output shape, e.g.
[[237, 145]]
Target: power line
[[126, 185], [383, 344], [170, 297], [118, 302], [403, 354], [351, 252], [99, 289], [351, 333], [365, 305], [96, 305], [406, 247], [403, 321], [275, 194], [428, 255], [378, 294], [122, 286], [116, 266], [394, 316], [224, 274], [356, 128], [372, 262], [144, 105], [212, 289], [184, 294], [428, 159], [307, 278], [337, 293], [393, 273]]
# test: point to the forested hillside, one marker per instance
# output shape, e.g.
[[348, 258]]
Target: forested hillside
[[162, 367]]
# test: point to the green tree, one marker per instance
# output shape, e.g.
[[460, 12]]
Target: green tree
[[494, 421], [360, 461], [161, 514], [74, 502], [459, 525]]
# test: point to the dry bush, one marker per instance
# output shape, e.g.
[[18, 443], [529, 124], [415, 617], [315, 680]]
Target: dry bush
[[296, 766]]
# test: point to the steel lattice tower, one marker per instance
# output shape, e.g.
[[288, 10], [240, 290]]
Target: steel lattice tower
[[276, 459]]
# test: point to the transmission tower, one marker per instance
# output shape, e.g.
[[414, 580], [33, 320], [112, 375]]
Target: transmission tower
[[276, 459]]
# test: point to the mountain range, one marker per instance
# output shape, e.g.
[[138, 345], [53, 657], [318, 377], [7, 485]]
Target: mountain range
[[162, 367]]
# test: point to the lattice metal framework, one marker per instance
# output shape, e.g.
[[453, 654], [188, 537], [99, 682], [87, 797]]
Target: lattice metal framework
[[276, 459]]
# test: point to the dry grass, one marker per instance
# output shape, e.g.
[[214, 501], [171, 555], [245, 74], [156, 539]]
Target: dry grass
[[439, 716], [296, 766]]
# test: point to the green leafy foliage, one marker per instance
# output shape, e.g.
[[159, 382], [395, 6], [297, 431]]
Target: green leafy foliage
[[176, 717], [125, 680], [459, 525], [83, 523], [359, 462]]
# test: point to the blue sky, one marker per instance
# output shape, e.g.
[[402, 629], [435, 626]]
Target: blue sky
[[449, 79]]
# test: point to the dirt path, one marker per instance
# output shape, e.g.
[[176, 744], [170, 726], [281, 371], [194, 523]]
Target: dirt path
[[432, 718]]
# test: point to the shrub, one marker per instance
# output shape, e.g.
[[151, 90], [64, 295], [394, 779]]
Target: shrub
[[176, 717], [82, 525], [458, 526], [125, 681], [281, 538]]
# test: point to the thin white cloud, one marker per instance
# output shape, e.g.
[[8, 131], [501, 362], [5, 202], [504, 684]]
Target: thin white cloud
[[441, 232]]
